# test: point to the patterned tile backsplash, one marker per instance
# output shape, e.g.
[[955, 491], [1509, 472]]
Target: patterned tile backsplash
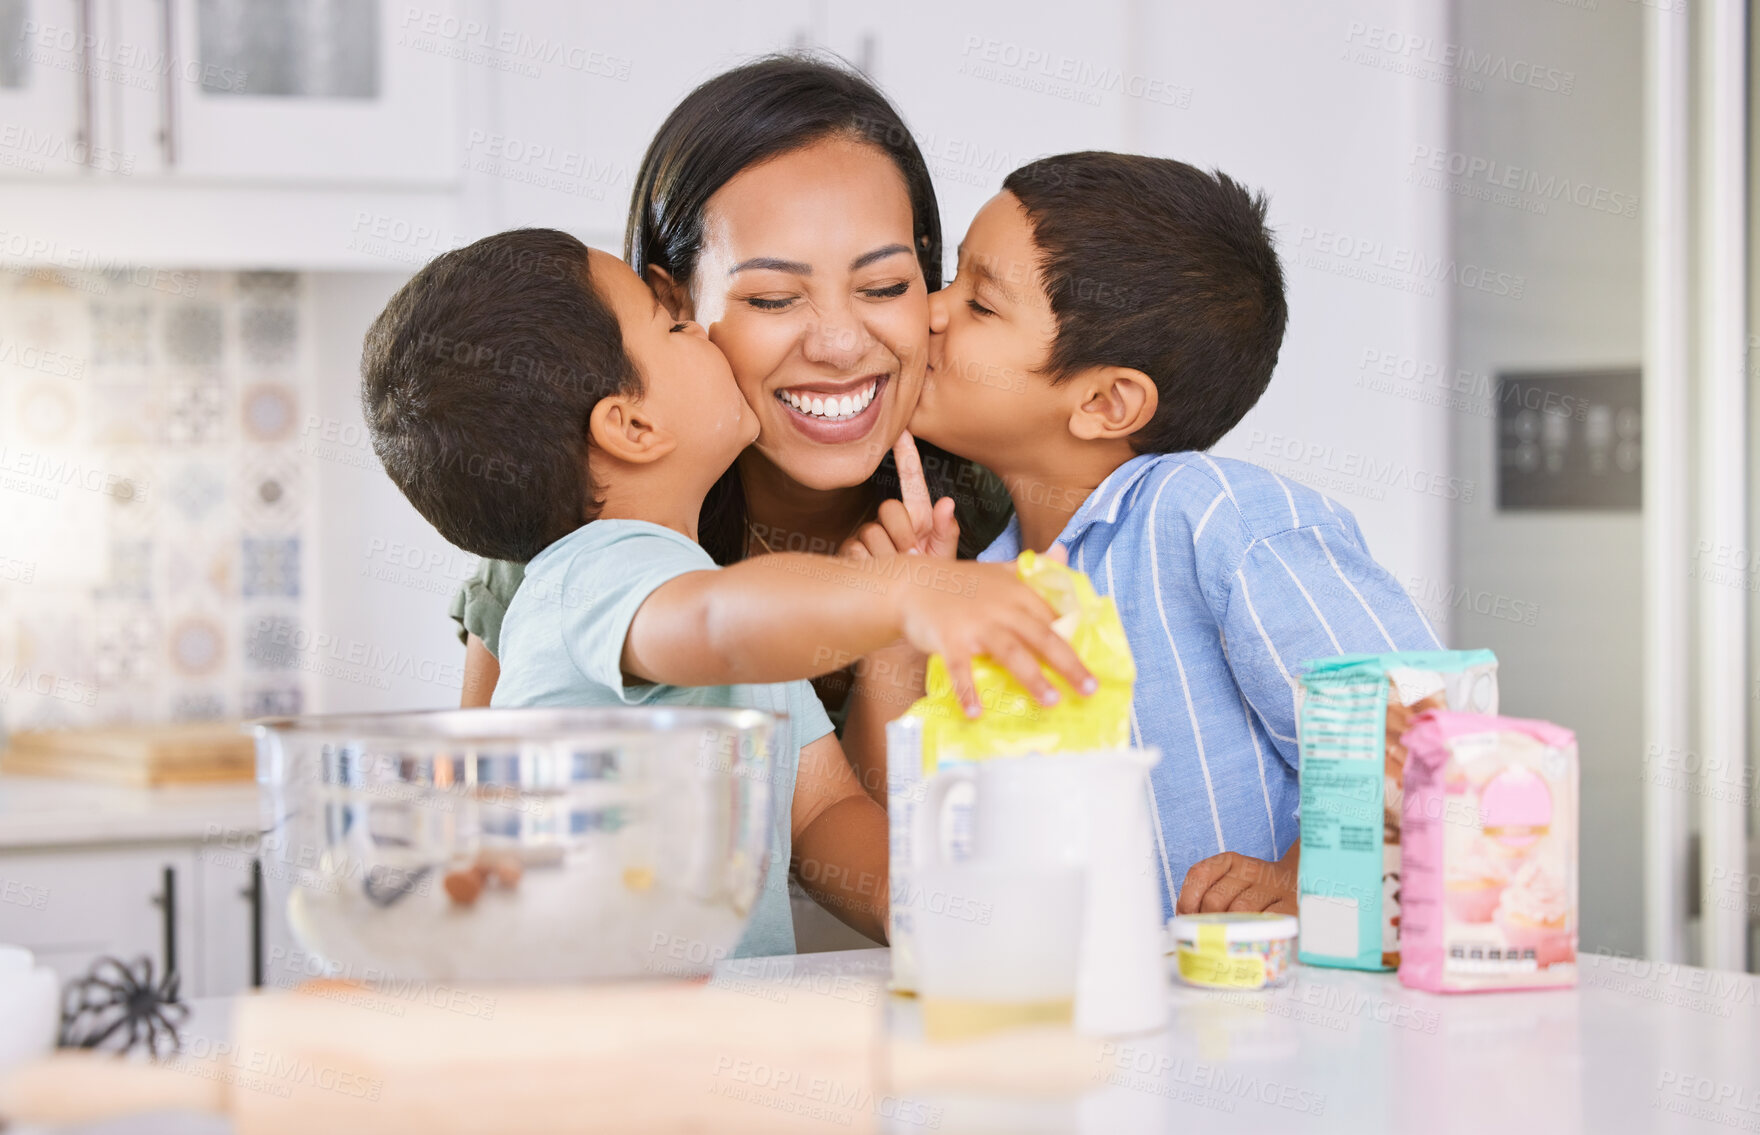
[[152, 511]]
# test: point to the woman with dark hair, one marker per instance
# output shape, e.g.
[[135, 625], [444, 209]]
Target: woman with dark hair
[[785, 206]]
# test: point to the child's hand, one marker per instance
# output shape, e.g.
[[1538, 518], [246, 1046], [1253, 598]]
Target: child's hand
[[909, 525], [960, 612], [1232, 881]]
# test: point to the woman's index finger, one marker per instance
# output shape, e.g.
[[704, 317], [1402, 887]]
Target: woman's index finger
[[913, 488]]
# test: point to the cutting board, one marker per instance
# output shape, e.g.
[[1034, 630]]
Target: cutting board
[[143, 756]]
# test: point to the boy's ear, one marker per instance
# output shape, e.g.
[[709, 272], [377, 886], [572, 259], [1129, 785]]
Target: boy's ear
[[619, 427], [672, 296], [1115, 402]]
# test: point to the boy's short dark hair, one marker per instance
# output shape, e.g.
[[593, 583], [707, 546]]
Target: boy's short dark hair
[[477, 381], [1152, 264]]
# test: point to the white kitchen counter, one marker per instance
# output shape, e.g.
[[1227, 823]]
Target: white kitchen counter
[[1637, 1048], [40, 811]]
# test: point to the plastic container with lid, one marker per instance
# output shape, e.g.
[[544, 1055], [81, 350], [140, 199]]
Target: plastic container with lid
[[1236, 950]]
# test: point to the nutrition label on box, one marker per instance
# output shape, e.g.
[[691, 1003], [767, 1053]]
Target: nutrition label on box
[[1343, 867]]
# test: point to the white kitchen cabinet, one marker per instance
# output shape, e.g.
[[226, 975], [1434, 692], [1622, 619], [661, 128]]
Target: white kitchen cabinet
[[283, 92], [52, 92], [492, 114], [84, 870], [297, 92], [71, 906], [190, 166], [230, 942]]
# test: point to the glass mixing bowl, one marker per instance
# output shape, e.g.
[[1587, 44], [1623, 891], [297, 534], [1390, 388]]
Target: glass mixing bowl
[[517, 844]]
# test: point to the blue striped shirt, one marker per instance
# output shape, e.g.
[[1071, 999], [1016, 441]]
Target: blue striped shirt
[[1229, 580]]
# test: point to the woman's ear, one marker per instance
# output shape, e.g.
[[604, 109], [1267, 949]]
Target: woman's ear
[[673, 297], [620, 429], [1116, 402]]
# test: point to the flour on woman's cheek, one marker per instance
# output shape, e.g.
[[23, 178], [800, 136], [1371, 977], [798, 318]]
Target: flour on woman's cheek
[[709, 284]]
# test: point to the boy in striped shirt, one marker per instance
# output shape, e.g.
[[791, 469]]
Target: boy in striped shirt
[[1114, 316]]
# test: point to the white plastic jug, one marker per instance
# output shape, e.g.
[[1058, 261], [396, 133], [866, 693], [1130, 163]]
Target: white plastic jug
[[1087, 810]]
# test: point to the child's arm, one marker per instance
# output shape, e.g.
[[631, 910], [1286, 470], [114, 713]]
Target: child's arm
[[840, 839], [790, 615]]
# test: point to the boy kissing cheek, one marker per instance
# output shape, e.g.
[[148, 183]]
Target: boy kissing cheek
[[1112, 318]]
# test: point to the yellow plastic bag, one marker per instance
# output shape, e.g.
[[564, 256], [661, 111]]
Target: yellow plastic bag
[[1013, 724]]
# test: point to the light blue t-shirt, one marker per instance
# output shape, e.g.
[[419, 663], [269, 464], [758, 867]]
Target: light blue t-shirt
[[562, 645]]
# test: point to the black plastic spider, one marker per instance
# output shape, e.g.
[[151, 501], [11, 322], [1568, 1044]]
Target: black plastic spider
[[95, 1008]]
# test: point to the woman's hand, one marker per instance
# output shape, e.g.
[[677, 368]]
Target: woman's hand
[[911, 525], [972, 609]]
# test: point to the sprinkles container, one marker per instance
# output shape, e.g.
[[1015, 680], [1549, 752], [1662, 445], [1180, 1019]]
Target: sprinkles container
[[1233, 950]]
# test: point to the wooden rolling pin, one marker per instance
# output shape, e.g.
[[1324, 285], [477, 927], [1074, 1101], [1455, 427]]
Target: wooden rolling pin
[[628, 1058]]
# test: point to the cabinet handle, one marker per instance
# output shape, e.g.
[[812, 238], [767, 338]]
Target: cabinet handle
[[254, 892], [86, 94], [166, 901], [168, 89]]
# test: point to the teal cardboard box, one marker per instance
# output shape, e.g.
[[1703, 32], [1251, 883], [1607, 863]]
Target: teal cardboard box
[[1350, 712]]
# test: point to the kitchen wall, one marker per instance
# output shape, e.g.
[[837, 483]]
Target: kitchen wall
[[1556, 594], [1307, 103], [155, 552], [196, 525], [383, 576], [1323, 106], [1256, 88]]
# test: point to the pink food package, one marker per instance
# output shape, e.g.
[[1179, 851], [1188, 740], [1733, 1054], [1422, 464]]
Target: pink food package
[[1489, 840]]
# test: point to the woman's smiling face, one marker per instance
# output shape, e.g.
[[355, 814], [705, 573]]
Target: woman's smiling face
[[809, 284]]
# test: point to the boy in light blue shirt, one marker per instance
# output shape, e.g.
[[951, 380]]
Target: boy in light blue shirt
[[1112, 318], [535, 403], [559, 648]]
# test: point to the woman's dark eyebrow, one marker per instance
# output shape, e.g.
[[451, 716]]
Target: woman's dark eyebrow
[[796, 267], [868, 258], [773, 264]]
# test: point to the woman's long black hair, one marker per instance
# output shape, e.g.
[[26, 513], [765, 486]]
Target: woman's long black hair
[[755, 112]]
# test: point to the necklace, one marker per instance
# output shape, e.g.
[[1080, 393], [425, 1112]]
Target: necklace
[[765, 544], [759, 537]]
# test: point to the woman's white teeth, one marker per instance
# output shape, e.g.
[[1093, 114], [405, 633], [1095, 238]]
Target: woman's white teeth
[[831, 409]]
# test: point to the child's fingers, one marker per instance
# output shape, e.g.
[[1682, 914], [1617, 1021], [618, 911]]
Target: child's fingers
[[1062, 657], [959, 671], [1058, 554], [897, 523], [1222, 894], [1025, 599], [913, 489], [1198, 880], [1255, 899], [944, 530], [876, 542], [1020, 661], [854, 549]]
